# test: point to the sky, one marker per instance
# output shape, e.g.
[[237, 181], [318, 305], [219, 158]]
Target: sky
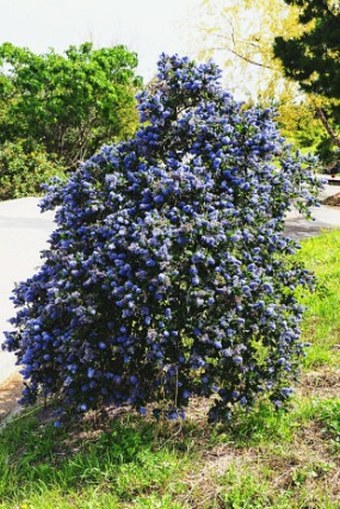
[[148, 27]]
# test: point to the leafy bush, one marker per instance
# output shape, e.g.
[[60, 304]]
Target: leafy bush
[[56, 110], [23, 172], [169, 273], [70, 104]]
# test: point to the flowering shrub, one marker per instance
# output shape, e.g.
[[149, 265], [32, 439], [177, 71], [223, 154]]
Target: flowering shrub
[[169, 274]]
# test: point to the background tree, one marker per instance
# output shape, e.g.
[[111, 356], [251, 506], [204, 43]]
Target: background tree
[[22, 171], [240, 36], [69, 104], [312, 59], [299, 124]]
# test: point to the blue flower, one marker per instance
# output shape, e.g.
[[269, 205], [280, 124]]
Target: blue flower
[[237, 359], [90, 372]]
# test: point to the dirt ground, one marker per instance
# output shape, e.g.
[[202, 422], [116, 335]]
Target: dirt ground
[[333, 200], [10, 392]]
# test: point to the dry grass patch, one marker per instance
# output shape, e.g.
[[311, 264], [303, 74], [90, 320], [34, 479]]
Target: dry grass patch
[[322, 383]]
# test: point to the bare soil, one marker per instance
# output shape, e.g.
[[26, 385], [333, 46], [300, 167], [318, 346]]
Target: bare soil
[[333, 200], [10, 392]]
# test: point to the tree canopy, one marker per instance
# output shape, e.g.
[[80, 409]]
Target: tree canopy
[[312, 58], [241, 35], [67, 104]]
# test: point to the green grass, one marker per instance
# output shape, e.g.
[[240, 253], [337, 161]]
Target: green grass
[[76, 467], [267, 459], [266, 427], [322, 319]]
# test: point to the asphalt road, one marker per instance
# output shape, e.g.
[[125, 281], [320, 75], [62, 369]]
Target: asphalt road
[[24, 232], [325, 217]]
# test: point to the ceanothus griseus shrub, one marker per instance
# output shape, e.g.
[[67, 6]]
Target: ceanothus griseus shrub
[[169, 274]]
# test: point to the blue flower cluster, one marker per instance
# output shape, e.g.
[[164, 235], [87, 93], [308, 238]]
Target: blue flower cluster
[[169, 274]]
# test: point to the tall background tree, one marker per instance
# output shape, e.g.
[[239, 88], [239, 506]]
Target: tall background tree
[[240, 36], [62, 106], [312, 59]]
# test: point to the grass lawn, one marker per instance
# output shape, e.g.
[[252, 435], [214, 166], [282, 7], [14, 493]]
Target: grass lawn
[[267, 460]]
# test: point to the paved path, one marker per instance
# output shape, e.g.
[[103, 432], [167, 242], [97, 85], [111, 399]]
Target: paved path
[[23, 234], [325, 217]]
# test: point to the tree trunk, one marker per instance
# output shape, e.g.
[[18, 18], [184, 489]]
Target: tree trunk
[[321, 115]]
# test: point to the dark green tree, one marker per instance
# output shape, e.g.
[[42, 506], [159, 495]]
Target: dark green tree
[[68, 105], [313, 59]]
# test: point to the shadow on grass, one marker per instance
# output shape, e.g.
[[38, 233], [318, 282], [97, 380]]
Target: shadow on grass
[[130, 456]]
